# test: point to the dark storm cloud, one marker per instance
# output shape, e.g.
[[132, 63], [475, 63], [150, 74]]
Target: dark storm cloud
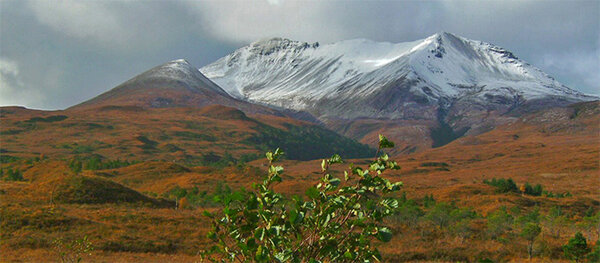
[[56, 54]]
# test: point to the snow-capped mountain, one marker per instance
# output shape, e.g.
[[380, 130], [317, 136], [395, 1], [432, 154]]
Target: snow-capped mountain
[[365, 79], [173, 84]]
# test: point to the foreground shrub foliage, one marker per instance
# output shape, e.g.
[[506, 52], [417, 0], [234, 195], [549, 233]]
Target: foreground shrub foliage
[[337, 222]]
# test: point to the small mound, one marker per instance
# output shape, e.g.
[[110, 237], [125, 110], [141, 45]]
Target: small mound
[[223, 113], [96, 190]]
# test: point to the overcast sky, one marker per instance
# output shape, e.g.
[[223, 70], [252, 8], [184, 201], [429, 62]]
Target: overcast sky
[[54, 54]]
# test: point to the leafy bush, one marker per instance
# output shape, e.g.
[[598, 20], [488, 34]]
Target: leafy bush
[[499, 222], [536, 190], [530, 233], [445, 214], [337, 223], [503, 185], [197, 198], [576, 248], [408, 213]]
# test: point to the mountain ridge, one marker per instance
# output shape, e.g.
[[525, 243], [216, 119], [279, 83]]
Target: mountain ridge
[[443, 81]]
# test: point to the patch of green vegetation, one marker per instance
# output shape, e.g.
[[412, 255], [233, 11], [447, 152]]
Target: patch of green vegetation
[[147, 143], [83, 149], [96, 162], [434, 164], [214, 160], [91, 125], [307, 142], [186, 135], [196, 198], [140, 245], [193, 125], [4, 158], [54, 118], [503, 185], [508, 185], [11, 175], [444, 134], [172, 148], [11, 132]]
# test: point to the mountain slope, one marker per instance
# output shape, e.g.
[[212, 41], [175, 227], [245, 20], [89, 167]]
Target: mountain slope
[[445, 83], [173, 84], [213, 134], [435, 70]]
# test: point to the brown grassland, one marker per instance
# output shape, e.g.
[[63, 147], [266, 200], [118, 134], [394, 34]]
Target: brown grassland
[[129, 213]]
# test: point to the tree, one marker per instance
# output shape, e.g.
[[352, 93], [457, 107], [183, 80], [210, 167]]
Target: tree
[[530, 232], [336, 223], [555, 219], [440, 214], [408, 213], [499, 222], [576, 248], [591, 224], [532, 217]]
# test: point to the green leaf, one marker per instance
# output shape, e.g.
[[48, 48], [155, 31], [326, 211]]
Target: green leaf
[[324, 165], [269, 156], [276, 178], [211, 235], [384, 234], [312, 192], [275, 169], [335, 182], [296, 217], [384, 142], [335, 159], [349, 255], [259, 256], [208, 214]]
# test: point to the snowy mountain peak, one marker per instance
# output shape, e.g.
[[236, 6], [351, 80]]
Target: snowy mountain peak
[[179, 71], [328, 80], [269, 46]]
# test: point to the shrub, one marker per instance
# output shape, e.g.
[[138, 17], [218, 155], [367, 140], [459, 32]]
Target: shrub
[[530, 233], [499, 222], [503, 185], [576, 248], [408, 213], [536, 190], [337, 223]]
